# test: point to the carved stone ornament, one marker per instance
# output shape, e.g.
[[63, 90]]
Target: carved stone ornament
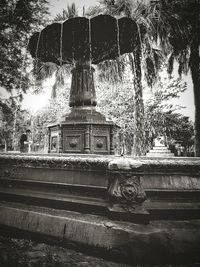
[[99, 143], [73, 143], [125, 188], [126, 197]]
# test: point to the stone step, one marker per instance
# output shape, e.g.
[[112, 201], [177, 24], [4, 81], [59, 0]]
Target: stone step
[[53, 199], [160, 203], [164, 155], [159, 148], [160, 151], [168, 210], [66, 188], [91, 191]]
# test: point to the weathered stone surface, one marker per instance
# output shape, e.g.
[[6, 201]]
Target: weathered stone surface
[[105, 185], [76, 181], [158, 242], [125, 191]]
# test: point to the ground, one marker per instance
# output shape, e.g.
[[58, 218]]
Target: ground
[[20, 252]]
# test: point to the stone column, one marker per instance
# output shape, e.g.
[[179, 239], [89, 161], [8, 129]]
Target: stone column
[[49, 140], [87, 140], [60, 141], [112, 150], [82, 87]]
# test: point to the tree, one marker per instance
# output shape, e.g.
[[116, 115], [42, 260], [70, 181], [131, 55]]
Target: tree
[[116, 103], [179, 129], [144, 55], [68, 13], [54, 112], [178, 26], [162, 117], [18, 20], [5, 123], [7, 111]]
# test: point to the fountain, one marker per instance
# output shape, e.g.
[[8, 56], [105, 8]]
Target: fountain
[[83, 42], [140, 210]]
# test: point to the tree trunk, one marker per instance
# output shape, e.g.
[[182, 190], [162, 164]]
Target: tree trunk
[[195, 72], [139, 137], [6, 147]]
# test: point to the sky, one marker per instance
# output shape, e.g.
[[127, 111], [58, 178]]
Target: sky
[[36, 102], [56, 6]]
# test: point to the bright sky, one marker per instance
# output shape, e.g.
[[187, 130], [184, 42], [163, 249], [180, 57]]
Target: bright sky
[[58, 5], [187, 99]]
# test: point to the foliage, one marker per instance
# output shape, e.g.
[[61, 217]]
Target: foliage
[[161, 117], [178, 26], [7, 111], [18, 19], [116, 103], [54, 112], [6, 120], [179, 129], [68, 13], [145, 60]]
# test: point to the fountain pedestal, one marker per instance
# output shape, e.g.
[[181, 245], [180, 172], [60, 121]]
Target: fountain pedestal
[[84, 130]]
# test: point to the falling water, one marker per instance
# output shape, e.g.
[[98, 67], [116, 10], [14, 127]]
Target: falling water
[[37, 46], [118, 44], [61, 40], [73, 42], [123, 127], [90, 44], [90, 59]]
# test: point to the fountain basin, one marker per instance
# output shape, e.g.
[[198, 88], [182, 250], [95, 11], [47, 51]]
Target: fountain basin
[[70, 198], [102, 37]]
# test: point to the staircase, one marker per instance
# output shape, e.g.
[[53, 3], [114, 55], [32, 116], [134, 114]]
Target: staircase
[[160, 150]]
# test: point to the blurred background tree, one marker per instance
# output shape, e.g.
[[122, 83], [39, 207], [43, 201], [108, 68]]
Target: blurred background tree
[[18, 20]]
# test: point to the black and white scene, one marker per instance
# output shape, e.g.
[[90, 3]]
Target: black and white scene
[[100, 133]]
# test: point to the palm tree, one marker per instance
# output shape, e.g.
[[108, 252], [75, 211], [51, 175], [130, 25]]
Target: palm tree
[[143, 55], [178, 26], [68, 13]]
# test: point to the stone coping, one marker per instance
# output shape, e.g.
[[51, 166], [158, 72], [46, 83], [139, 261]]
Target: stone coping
[[75, 122], [106, 162]]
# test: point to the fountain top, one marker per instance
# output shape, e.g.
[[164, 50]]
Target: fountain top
[[82, 39]]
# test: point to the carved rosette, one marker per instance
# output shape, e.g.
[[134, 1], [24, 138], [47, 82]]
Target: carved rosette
[[126, 188], [126, 197]]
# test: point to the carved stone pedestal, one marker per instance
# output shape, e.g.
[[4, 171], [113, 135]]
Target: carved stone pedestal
[[82, 137], [84, 130], [126, 195]]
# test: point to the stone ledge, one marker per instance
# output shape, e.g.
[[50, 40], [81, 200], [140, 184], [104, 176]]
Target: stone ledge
[[158, 242], [125, 181]]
